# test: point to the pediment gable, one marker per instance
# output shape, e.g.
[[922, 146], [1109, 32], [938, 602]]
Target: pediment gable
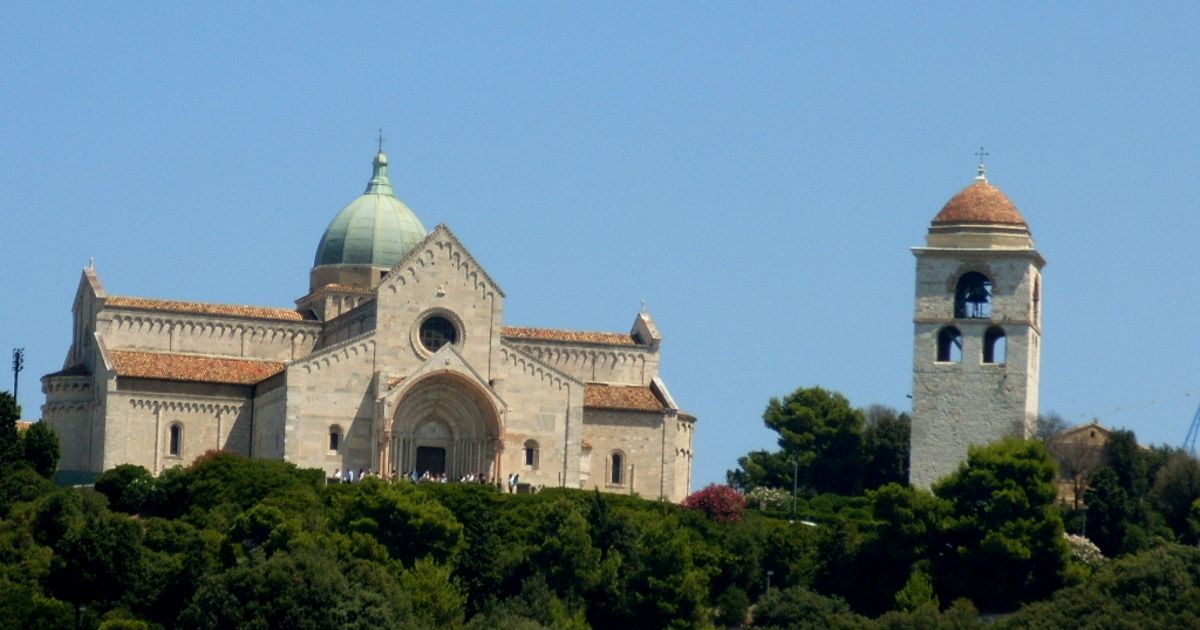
[[440, 247], [446, 361]]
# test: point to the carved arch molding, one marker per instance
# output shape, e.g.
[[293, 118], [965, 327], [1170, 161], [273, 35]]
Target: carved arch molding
[[443, 425]]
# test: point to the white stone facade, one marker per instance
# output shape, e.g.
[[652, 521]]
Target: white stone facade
[[348, 380]]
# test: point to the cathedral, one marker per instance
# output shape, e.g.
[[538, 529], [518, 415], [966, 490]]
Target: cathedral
[[397, 361]]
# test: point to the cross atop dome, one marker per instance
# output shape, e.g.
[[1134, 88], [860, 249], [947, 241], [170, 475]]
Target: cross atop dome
[[981, 170]]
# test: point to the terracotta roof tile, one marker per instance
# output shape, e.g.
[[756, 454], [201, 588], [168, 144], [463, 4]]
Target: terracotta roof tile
[[569, 336], [627, 397], [980, 202], [203, 308], [187, 367]]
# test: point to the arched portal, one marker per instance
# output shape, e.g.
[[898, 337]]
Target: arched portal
[[444, 425]]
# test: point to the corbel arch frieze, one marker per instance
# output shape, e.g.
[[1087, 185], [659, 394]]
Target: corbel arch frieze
[[66, 407], [67, 384], [186, 406], [353, 348], [518, 359], [577, 358], [203, 327]]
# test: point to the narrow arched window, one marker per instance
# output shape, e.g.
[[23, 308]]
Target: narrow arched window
[[949, 345], [531, 454], [973, 296], [1037, 301], [175, 443], [995, 345], [617, 469], [335, 437]]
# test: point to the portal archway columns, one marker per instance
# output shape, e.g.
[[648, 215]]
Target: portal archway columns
[[467, 402]]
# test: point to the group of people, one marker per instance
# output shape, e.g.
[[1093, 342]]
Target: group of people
[[350, 476], [413, 476], [431, 477]]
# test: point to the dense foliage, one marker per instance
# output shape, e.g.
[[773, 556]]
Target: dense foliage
[[827, 446], [230, 542]]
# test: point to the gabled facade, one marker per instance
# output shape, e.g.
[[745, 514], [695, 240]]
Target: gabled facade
[[397, 360]]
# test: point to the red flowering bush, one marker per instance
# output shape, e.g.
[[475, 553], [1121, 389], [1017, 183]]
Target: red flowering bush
[[720, 503]]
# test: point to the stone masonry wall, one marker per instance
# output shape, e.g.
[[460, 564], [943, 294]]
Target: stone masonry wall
[[960, 404], [641, 438]]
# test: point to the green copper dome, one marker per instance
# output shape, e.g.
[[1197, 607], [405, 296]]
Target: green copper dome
[[376, 229]]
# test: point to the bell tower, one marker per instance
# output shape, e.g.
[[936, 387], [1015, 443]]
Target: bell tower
[[977, 330]]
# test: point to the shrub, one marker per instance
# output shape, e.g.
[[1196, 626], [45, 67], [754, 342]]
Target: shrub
[[719, 503]]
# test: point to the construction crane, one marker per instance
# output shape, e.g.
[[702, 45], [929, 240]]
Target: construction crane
[[1189, 442]]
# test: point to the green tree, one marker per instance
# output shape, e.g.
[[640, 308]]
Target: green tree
[[40, 449], [761, 469], [886, 446], [10, 442], [25, 606], [264, 527], [128, 487], [228, 478], [408, 522], [562, 551], [801, 609], [1120, 517], [1175, 489], [665, 587], [819, 433], [732, 606], [905, 532], [306, 589], [21, 484], [437, 601], [1159, 588], [1109, 512], [98, 562], [1005, 534]]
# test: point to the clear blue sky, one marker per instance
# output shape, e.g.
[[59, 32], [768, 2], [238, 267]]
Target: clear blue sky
[[755, 172]]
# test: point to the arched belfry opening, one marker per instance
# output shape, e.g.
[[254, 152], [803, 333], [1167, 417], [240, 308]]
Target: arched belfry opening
[[443, 425], [949, 345], [973, 296], [995, 346]]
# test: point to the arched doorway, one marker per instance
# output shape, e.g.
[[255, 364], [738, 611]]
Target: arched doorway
[[433, 438], [444, 425]]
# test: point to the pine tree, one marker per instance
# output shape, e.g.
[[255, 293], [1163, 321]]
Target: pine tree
[[10, 442]]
